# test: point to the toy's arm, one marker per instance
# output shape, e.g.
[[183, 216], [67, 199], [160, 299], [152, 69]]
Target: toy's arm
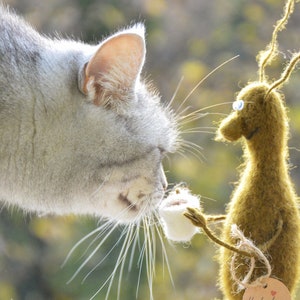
[[201, 220], [215, 219]]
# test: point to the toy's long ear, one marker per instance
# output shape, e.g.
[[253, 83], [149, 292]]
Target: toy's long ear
[[112, 72]]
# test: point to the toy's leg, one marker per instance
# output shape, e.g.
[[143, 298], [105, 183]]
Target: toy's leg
[[227, 284], [264, 247]]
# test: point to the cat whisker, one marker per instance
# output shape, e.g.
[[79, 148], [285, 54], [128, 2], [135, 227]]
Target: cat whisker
[[119, 263], [195, 130], [294, 148], [196, 115], [104, 230], [192, 148], [140, 264], [199, 131], [203, 128], [191, 117], [183, 111], [183, 145], [148, 256], [93, 253], [148, 249], [180, 151], [218, 114], [208, 198], [105, 180], [130, 239], [200, 110], [81, 241], [168, 158], [106, 256], [121, 260], [170, 188], [134, 246], [163, 248], [175, 93], [202, 80]]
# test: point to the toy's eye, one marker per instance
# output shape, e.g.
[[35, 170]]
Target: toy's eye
[[238, 105]]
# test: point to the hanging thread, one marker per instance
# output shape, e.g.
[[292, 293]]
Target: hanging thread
[[248, 246]]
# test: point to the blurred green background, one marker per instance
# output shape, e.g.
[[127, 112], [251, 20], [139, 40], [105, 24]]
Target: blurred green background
[[185, 38]]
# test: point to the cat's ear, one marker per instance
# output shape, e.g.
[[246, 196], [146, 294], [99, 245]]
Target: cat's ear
[[112, 72]]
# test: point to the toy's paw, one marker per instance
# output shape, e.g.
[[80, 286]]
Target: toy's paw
[[171, 211], [195, 216]]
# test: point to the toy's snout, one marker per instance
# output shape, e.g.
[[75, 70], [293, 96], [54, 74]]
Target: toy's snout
[[230, 128]]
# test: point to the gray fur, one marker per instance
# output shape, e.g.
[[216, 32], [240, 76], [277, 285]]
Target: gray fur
[[60, 153]]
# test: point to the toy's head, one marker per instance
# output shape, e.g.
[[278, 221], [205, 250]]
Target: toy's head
[[259, 112], [258, 116]]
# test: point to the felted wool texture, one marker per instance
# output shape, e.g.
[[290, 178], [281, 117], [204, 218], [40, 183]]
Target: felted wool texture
[[264, 194], [176, 226]]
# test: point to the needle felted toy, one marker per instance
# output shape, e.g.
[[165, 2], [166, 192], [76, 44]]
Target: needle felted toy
[[264, 203], [265, 196]]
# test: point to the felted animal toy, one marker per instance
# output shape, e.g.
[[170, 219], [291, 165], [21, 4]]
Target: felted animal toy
[[264, 203], [265, 195]]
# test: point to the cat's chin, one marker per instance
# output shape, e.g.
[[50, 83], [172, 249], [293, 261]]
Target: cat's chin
[[130, 201], [136, 212]]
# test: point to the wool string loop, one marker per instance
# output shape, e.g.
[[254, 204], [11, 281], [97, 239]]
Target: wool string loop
[[256, 254]]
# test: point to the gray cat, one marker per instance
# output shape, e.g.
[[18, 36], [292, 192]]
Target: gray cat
[[80, 132]]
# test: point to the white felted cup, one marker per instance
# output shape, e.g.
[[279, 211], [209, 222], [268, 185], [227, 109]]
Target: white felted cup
[[176, 226]]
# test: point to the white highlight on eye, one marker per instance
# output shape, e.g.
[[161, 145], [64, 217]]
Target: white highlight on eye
[[176, 226], [238, 105]]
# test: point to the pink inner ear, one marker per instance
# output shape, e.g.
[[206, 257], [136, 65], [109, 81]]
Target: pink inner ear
[[122, 55]]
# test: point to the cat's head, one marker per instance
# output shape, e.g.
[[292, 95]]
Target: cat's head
[[105, 145]]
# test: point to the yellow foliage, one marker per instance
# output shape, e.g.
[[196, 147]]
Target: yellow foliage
[[254, 13], [111, 16], [45, 229], [197, 47], [193, 71], [155, 8], [247, 32], [7, 291]]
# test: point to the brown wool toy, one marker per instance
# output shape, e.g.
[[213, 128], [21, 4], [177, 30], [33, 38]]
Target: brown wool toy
[[264, 203], [264, 197]]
